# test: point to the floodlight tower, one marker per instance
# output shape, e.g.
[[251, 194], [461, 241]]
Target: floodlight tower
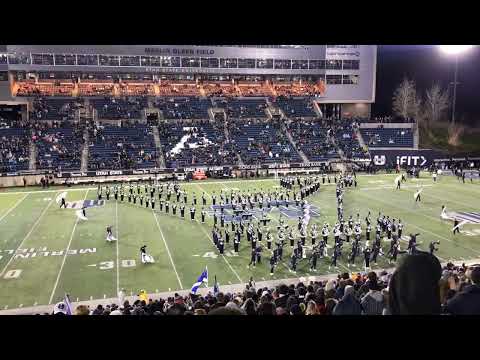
[[455, 50]]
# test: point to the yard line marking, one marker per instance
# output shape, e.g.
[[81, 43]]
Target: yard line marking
[[156, 290], [27, 236], [168, 250], [6, 307], [13, 207], [20, 306], [118, 239], [65, 255], [169, 289], [77, 299], [211, 243], [35, 303], [91, 297], [223, 256], [229, 282], [104, 296]]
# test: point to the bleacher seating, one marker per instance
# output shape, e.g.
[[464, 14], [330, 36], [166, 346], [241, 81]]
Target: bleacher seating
[[243, 108], [183, 108], [120, 108], [261, 142], [55, 109], [14, 147], [296, 108], [346, 138], [59, 147], [126, 147], [391, 137], [195, 143], [311, 138], [85, 89]]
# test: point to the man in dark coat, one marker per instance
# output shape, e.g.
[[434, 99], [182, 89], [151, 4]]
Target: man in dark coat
[[467, 302]]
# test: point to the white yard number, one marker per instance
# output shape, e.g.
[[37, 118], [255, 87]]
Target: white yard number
[[210, 255], [12, 274], [106, 265], [473, 232], [128, 263]]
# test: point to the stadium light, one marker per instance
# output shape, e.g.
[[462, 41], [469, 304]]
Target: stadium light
[[455, 50]]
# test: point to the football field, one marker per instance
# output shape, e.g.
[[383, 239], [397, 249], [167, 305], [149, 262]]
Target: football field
[[46, 251]]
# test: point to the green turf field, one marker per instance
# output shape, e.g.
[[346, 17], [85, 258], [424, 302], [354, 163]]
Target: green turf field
[[47, 251]]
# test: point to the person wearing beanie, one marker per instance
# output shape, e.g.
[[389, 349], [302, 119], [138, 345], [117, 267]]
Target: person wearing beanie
[[414, 286], [349, 304], [467, 301]]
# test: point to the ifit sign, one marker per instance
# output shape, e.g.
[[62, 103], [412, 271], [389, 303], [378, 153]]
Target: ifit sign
[[407, 158]]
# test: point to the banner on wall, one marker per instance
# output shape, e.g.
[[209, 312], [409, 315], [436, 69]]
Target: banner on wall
[[408, 158]]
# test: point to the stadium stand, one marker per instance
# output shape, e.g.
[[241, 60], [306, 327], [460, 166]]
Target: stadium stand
[[261, 142], [296, 108], [311, 138], [55, 109], [119, 109], [372, 293], [183, 107], [244, 108], [122, 147], [14, 146], [391, 137], [59, 146], [346, 138], [198, 142]]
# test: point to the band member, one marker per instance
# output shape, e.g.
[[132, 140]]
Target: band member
[[204, 199], [108, 192], [325, 233], [220, 244], [432, 247], [182, 210], [293, 261], [366, 255], [167, 206], [313, 260], [203, 213], [291, 238], [314, 234], [303, 235], [236, 241], [412, 244], [272, 264], [174, 209], [192, 213], [253, 258], [456, 227], [153, 202], [64, 204], [259, 234], [269, 240], [400, 228]]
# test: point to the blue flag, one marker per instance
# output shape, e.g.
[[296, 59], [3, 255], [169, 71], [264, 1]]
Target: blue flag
[[216, 289], [201, 279], [68, 305]]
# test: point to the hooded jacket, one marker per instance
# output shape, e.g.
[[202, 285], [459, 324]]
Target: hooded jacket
[[414, 286], [349, 304], [466, 302]]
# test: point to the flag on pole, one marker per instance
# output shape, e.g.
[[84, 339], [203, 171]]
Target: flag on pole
[[68, 305], [203, 278], [216, 289]]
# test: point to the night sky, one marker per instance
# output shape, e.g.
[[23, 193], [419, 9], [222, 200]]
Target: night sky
[[426, 64]]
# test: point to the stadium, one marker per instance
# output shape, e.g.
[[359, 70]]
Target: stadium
[[232, 179]]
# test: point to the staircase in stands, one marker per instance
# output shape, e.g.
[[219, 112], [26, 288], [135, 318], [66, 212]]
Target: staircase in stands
[[292, 142], [85, 150], [158, 145], [32, 160]]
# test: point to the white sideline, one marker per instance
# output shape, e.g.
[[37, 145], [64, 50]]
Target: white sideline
[[189, 183], [26, 237], [168, 250], [65, 255], [118, 239], [13, 207]]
